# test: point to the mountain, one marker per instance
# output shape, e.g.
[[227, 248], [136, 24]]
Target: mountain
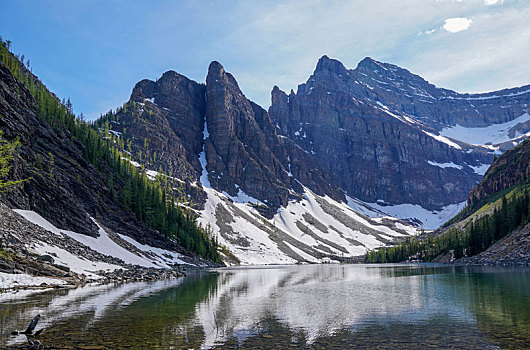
[[296, 183], [494, 227], [71, 209], [510, 169], [428, 146], [265, 198]]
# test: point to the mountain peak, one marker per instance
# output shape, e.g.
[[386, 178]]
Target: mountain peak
[[329, 64], [369, 63], [216, 67], [143, 89]]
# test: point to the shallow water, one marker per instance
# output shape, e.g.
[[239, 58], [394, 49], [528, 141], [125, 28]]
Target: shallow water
[[307, 307]]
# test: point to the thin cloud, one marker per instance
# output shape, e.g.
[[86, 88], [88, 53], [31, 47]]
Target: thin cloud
[[97, 61], [493, 2]]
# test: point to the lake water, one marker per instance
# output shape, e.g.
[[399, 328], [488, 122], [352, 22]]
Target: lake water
[[289, 307]]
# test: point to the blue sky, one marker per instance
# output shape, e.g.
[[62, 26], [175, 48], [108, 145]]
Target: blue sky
[[95, 51]]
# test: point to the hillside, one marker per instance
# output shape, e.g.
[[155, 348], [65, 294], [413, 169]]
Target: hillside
[[493, 228], [77, 182]]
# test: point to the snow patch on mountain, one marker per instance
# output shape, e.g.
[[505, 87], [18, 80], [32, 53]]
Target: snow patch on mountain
[[443, 139], [313, 229], [242, 197], [445, 165], [493, 134], [480, 169], [145, 256], [428, 219]]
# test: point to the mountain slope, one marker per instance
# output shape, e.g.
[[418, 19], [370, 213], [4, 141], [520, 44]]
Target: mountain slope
[[494, 227], [248, 173], [75, 180], [510, 169], [259, 178], [381, 118]]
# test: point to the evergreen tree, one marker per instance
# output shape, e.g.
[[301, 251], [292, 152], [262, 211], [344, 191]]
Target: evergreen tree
[[148, 200], [6, 156]]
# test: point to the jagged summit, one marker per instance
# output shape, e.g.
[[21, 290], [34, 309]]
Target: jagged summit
[[382, 118], [215, 68], [373, 64], [329, 64]]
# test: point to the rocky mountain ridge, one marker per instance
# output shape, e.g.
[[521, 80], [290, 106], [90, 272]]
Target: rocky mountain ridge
[[68, 196], [242, 167], [381, 118], [249, 173]]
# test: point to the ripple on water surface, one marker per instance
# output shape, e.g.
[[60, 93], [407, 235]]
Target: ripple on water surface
[[313, 307]]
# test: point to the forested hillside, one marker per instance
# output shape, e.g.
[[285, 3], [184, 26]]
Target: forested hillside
[[487, 219], [121, 184]]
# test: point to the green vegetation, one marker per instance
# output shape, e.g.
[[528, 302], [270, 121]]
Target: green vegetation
[[6, 156], [510, 211], [147, 199], [6, 255]]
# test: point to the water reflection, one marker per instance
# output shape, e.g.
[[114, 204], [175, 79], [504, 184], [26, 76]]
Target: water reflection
[[322, 306]]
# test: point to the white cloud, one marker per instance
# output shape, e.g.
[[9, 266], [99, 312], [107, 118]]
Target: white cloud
[[493, 2], [457, 24]]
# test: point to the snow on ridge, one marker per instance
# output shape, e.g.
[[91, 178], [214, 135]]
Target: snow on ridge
[[430, 219], [310, 227], [480, 136], [445, 165], [103, 244], [387, 111], [490, 97], [443, 139]]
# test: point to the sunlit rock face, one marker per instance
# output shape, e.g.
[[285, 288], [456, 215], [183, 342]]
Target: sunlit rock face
[[377, 138]]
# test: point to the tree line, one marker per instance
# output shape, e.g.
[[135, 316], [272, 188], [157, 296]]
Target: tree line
[[512, 212], [128, 184]]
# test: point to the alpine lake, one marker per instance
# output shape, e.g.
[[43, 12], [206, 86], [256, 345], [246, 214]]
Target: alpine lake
[[399, 306]]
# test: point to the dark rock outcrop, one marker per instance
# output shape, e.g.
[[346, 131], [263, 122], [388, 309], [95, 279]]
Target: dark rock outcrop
[[167, 124], [511, 168], [164, 121], [244, 151]]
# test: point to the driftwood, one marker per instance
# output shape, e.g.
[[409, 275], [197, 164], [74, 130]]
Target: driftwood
[[33, 343]]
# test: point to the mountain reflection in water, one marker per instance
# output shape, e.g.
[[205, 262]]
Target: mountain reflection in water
[[317, 306]]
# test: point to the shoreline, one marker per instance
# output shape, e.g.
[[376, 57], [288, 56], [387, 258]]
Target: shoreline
[[14, 282]]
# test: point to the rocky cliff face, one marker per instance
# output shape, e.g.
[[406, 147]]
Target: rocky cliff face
[[173, 122], [265, 198], [272, 185], [511, 168], [381, 119], [244, 151], [165, 117]]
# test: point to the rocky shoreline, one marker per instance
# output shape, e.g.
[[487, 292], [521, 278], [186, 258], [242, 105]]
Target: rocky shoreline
[[73, 280], [22, 267]]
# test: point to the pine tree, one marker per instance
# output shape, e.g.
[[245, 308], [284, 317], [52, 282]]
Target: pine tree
[[6, 157]]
